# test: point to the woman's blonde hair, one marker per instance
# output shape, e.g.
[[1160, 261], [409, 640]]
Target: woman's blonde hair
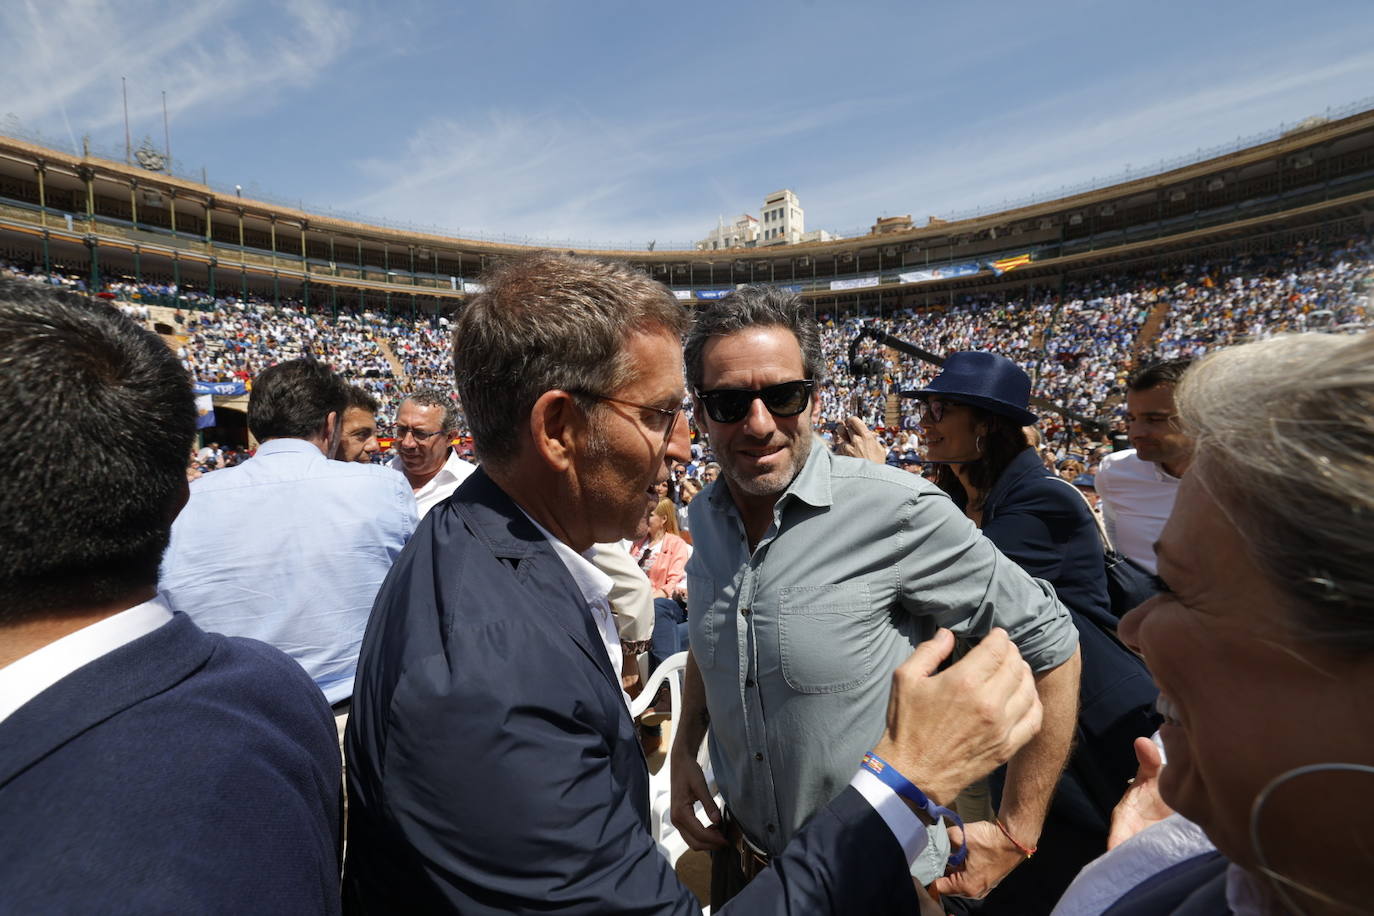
[[1284, 432], [668, 512]]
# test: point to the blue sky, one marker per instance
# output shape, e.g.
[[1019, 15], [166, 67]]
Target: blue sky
[[617, 123]]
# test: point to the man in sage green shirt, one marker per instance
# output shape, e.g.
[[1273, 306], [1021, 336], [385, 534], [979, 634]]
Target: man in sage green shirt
[[813, 577]]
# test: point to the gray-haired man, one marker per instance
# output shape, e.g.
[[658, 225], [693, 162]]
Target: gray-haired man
[[425, 427]]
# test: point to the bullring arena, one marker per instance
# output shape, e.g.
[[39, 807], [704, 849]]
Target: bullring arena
[[1268, 238], [1080, 290]]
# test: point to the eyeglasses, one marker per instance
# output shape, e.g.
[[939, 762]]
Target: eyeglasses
[[730, 405], [419, 434], [660, 416], [933, 411]]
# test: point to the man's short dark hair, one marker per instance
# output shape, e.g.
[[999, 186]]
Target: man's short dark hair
[[750, 307], [433, 397], [360, 399], [1164, 372], [549, 321], [97, 429], [291, 400]]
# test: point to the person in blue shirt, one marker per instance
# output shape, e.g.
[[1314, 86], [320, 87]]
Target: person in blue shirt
[[290, 547]]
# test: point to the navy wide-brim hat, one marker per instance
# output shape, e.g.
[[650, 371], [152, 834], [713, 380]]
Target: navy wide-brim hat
[[984, 380]]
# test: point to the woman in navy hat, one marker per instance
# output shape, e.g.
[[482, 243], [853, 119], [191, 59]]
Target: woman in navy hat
[[972, 418]]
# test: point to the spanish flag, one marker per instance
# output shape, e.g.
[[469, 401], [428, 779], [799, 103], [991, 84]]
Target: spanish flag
[[1006, 264]]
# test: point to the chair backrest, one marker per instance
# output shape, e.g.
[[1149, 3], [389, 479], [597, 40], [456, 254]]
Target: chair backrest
[[671, 671], [669, 840]]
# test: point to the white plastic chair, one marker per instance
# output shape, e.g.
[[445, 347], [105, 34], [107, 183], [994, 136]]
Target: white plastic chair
[[669, 840]]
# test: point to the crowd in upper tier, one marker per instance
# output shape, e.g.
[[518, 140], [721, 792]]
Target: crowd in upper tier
[[1077, 344]]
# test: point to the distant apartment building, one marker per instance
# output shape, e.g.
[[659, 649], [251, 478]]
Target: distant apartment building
[[742, 233], [782, 222]]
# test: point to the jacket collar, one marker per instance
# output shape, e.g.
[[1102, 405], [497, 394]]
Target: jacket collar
[[1026, 465], [107, 686], [499, 524]]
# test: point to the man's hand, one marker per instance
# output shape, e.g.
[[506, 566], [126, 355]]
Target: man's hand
[[991, 857], [686, 788], [946, 730], [1141, 806], [855, 439]]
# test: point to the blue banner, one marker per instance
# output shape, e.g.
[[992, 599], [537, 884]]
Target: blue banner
[[713, 293], [205, 411], [223, 389], [940, 273]]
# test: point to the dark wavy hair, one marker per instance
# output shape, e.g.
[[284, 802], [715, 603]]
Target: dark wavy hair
[[97, 426], [1004, 440]]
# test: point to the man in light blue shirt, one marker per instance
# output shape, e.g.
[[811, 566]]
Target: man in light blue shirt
[[289, 547]]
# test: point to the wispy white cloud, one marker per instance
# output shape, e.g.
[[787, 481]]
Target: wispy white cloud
[[570, 175], [64, 58], [1070, 139]]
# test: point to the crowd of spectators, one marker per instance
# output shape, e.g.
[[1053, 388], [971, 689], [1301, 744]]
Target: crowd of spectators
[[1077, 344]]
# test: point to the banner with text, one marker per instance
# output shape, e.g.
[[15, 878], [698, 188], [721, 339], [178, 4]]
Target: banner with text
[[854, 283], [222, 389]]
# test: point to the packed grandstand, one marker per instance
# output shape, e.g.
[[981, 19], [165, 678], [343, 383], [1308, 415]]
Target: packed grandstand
[[1077, 291], [1078, 345]]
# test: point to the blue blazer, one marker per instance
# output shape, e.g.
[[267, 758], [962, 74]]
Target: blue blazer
[[493, 766], [184, 772], [1048, 530]]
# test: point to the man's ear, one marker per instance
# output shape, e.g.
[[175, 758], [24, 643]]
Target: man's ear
[[333, 432], [556, 426], [179, 500]]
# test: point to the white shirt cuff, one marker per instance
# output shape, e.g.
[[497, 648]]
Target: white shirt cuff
[[906, 827]]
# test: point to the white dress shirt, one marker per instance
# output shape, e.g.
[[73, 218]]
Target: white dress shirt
[[22, 680], [455, 471], [595, 587], [1137, 497]]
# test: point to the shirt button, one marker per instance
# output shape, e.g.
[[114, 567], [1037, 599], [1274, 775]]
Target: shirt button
[[744, 611], [758, 755], [749, 682]]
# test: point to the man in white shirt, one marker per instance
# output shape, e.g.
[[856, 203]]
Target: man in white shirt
[[425, 427], [1137, 486], [145, 765]]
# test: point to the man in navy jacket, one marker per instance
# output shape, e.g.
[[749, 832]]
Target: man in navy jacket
[[145, 765], [493, 766]]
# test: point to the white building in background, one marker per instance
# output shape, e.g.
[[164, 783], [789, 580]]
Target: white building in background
[[742, 233], [783, 222]]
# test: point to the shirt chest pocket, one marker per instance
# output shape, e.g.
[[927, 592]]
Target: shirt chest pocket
[[824, 637]]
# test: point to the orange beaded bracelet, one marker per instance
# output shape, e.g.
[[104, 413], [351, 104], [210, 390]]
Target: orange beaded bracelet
[[1025, 851]]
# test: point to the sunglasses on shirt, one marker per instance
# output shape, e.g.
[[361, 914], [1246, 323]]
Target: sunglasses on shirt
[[730, 405]]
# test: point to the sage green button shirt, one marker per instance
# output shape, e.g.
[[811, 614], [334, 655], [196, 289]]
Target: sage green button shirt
[[796, 642]]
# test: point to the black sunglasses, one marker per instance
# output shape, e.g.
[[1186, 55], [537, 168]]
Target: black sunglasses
[[785, 399]]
